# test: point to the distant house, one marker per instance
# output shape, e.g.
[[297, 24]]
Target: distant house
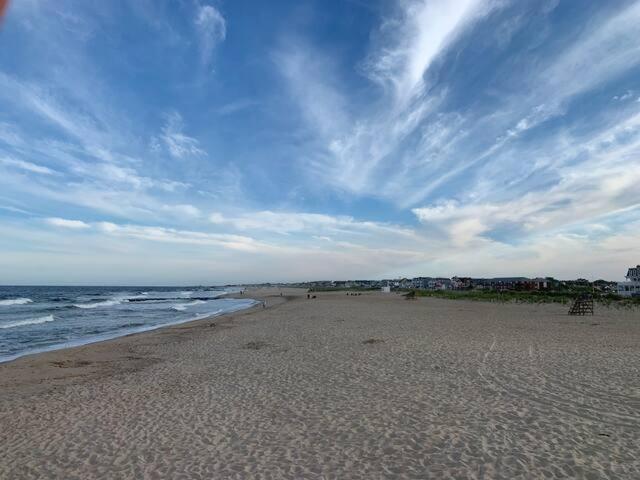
[[421, 283], [499, 283], [630, 288], [605, 286], [508, 283], [540, 283], [460, 283], [439, 284]]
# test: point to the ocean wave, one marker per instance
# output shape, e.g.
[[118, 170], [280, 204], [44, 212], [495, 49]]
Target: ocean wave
[[28, 321], [143, 295], [200, 316], [164, 299], [105, 303], [183, 306], [15, 301]]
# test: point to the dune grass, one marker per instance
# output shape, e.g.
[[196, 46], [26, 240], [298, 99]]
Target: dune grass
[[562, 297]]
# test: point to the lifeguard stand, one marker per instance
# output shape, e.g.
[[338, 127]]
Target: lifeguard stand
[[582, 305]]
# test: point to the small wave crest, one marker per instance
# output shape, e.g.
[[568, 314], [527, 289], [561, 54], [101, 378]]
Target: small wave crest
[[183, 306], [105, 303], [142, 295], [15, 301], [208, 314], [28, 321]]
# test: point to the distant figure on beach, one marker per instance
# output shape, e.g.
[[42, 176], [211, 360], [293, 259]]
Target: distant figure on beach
[[264, 304]]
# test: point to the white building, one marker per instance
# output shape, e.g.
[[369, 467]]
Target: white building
[[630, 288]]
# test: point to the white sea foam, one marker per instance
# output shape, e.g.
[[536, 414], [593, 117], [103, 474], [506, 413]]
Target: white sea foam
[[15, 301], [28, 321], [141, 295], [105, 303], [183, 306], [209, 314]]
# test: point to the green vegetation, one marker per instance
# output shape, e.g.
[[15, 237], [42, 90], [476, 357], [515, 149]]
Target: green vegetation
[[563, 297]]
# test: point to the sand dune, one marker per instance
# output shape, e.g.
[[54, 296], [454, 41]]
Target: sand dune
[[367, 387]]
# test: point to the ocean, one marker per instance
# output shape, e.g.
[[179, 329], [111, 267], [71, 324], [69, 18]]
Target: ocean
[[38, 319]]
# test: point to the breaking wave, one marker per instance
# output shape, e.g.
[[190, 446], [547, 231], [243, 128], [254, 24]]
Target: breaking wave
[[28, 321], [105, 303], [16, 301], [183, 306]]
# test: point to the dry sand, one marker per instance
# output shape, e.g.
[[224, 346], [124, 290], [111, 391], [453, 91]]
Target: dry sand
[[371, 386]]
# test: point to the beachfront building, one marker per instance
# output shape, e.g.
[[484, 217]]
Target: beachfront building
[[509, 283], [430, 283], [630, 288], [539, 283], [460, 283]]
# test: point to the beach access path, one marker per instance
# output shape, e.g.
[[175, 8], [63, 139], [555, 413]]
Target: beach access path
[[340, 386]]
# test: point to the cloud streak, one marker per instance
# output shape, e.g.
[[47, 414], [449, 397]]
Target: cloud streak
[[66, 223], [175, 141], [212, 29]]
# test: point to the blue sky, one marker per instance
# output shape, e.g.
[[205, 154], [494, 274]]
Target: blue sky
[[192, 141]]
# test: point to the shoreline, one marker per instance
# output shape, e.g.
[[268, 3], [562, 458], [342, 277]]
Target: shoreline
[[135, 331], [108, 349]]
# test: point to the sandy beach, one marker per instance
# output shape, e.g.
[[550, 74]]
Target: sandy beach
[[369, 386]]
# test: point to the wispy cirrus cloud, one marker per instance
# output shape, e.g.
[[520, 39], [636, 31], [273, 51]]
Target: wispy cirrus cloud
[[175, 141], [172, 235], [601, 185], [66, 223], [362, 145], [212, 29], [412, 38], [308, 223], [407, 152], [26, 166]]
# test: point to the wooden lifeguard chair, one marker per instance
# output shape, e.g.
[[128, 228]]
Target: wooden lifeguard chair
[[582, 305], [411, 295]]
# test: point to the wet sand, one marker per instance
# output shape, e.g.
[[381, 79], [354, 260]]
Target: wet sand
[[370, 386]]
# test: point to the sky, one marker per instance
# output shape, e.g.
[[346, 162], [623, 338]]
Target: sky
[[185, 142]]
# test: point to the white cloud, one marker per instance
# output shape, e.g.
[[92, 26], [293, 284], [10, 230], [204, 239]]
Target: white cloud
[[184, 211], [212, 29], [625, 96], [65, 223], [314, 86], [112, 174], [406, 151], [171, 235], [604, 184], [411, 40], [359, 153], [27, 166], [175, 141], [309, 223], [237, 106]]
